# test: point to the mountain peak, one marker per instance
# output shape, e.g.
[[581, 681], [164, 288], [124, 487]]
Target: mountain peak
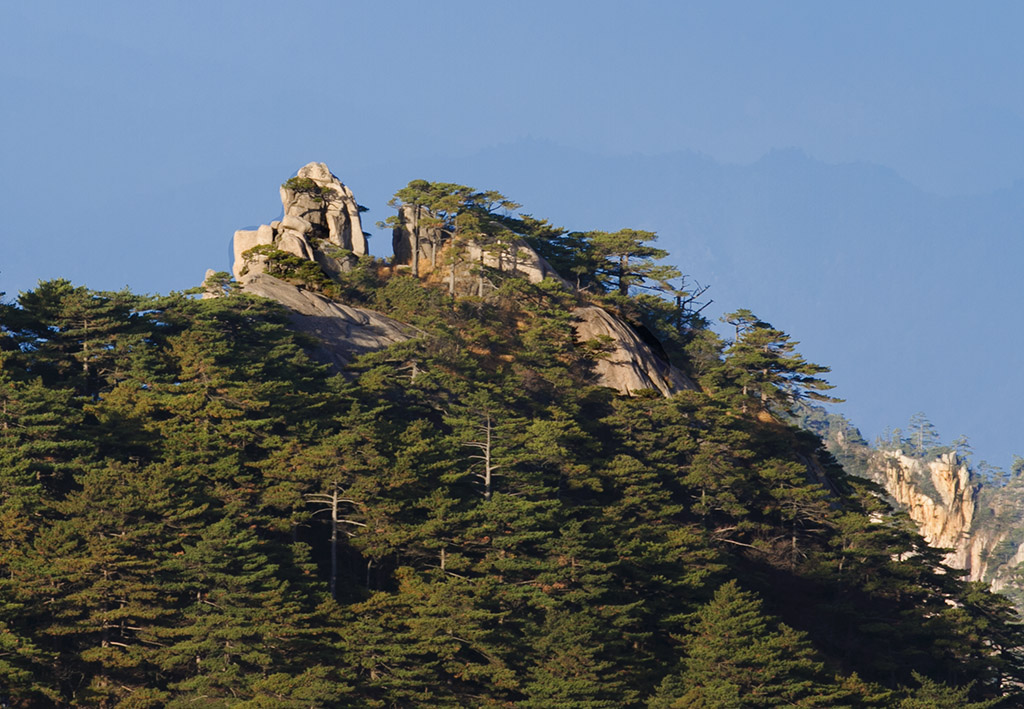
[[318, 207]]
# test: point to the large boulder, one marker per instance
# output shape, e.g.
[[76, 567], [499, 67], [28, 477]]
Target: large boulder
[[628, 363], [342, 331]]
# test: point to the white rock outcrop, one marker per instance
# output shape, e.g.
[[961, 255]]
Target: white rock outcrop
[[941, 498], [317, 208], [333, 214], [945, 519], [628, 363]]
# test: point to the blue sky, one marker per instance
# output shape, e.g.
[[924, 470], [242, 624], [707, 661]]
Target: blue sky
[[138, 136]]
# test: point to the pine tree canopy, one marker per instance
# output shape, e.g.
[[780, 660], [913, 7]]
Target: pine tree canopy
[[196, 512]]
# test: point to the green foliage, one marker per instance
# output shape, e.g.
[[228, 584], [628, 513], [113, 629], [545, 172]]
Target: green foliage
[[936, 695], [735, 656], [923, 434], [308, 186], [192, 511], [294, 269], [763, 368]]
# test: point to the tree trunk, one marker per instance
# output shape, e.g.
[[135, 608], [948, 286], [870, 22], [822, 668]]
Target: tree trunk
[[452, 256], [334, 542], [486, 476], [480, 276], [416, 245]]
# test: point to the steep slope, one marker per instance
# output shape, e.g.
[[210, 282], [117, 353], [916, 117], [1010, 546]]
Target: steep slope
[[939, 495], [343, 331], [628, 365]]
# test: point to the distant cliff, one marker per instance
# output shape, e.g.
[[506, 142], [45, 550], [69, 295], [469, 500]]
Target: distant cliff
[[980, 521], [938, 494]]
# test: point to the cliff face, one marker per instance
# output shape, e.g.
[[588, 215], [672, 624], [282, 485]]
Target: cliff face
[[629, 365], [944, 500], [343, 331], [939, 496], [320, 212]]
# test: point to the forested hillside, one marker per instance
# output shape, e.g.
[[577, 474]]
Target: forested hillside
[[196, 512]]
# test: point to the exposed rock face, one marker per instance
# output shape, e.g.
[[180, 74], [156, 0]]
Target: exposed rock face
[[319, 212], [944, 500], [344, 332], [318, 209], [404, 238], [209, 290], [940, 496], [1001, 577], [629, 365], [944, 518], [516, 258], [333, 215]]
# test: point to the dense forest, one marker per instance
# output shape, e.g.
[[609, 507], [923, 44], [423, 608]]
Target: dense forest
[[196, 512]]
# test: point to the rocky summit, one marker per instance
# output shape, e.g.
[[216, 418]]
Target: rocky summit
[[321, 225], [319, 212]]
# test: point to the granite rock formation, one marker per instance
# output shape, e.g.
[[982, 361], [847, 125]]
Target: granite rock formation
[[426, 254], [939, 495], [343, 331], [514, 257], [319, 213], [629, 364], [979, 527]]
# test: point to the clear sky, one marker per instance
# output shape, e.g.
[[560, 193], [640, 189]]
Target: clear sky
[[138, 136]]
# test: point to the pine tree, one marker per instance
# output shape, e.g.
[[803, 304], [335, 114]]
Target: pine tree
[[626, 260], [247, 630], [936, 695], [923, 434], [106, 555], [77, 336], [762, 364], [735, 656]]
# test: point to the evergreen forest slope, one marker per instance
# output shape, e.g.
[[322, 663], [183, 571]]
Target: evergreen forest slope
[[195, 511]]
